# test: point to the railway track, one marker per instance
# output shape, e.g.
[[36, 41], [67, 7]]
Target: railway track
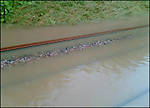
[[4, 49]]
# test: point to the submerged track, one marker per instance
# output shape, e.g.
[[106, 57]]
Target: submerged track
[[67, 38]]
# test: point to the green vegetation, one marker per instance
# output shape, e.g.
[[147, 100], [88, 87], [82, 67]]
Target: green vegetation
[[29, 13]]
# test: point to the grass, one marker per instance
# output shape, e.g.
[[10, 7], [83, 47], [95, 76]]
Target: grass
[[43, 13]]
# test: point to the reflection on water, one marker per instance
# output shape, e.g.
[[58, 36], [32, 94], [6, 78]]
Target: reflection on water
[[103, 76]]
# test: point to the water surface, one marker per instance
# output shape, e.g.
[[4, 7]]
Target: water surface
[[113, 75]]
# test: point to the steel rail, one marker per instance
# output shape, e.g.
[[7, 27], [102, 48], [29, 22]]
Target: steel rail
[[67, 38]]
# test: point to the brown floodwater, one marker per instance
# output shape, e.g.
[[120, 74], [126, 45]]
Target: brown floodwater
[[14, 36], [116, 74]]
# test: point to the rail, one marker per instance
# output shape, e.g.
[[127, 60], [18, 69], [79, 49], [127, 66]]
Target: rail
[[67, 38]]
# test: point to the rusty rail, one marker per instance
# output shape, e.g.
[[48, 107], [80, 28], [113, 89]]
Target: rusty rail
[[67, 38]]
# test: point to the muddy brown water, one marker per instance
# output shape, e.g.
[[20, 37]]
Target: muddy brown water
[[15, 36], [111, 75]]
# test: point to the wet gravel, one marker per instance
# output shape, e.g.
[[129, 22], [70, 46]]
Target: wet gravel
[[52, 53]]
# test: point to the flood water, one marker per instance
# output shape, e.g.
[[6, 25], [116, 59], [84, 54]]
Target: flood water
[[113, 75]]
